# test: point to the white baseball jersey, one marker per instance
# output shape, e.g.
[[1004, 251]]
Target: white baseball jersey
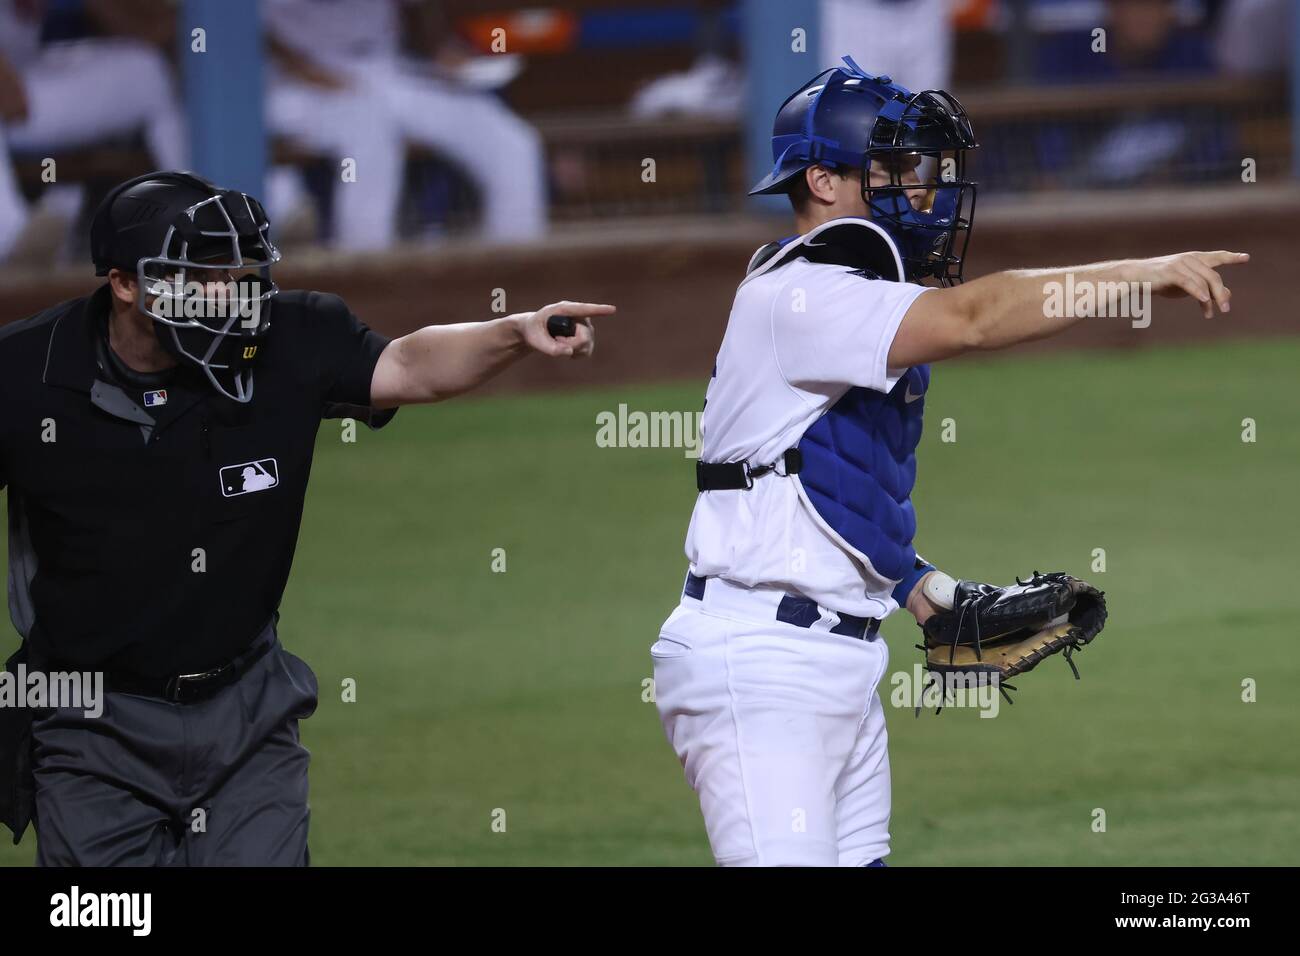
[[799, 337]]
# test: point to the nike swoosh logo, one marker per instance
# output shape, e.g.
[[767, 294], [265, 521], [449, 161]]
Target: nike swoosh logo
[[909, 398]]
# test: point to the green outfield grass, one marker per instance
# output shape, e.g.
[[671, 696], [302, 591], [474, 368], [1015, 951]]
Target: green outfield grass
[[523, 690]]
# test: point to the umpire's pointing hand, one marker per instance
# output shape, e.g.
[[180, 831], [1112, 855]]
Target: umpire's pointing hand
[[578, 345]]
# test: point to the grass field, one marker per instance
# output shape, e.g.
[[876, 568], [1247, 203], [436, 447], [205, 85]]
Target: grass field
[[523, 690]]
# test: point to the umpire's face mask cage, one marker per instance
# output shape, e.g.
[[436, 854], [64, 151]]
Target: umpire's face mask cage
[[209, 289], [927, 204]]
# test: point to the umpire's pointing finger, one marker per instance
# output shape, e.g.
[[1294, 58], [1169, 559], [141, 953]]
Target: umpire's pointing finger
[[580, 309]]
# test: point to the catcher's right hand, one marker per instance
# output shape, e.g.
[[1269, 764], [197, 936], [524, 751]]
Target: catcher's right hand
[[1006, 631]]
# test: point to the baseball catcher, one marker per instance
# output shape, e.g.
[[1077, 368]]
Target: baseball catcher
[[803, 535]]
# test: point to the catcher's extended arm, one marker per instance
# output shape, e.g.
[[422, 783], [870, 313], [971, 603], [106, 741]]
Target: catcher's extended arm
[[994, 633]]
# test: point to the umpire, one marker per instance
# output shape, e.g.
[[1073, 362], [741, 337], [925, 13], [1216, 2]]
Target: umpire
[[156, 444]]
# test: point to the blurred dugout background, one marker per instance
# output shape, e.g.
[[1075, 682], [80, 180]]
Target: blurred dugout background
[[477, 169], [1184, 92]]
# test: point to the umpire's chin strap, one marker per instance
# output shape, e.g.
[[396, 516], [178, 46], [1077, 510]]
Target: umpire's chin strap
[[740, 475]]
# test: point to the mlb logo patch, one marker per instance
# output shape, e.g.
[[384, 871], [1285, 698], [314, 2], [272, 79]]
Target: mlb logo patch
[[248, 477], [155, 398]]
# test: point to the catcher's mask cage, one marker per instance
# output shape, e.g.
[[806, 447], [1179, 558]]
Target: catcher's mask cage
[[845, 118], [932, 130], [208, 286]]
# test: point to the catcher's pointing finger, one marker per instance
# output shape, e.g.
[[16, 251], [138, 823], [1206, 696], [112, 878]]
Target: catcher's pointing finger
[[1193, 274], [1222, 257], [1219, 292]]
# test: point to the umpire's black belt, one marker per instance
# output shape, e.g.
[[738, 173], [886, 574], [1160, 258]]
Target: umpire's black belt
[[740, 475], [788, 608], [188, 688]]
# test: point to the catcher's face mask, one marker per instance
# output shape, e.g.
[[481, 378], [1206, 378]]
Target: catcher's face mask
[[921, 143], [209, 289]]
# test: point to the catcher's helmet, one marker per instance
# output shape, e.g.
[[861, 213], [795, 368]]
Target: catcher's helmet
[[844, 118], [183, 237]]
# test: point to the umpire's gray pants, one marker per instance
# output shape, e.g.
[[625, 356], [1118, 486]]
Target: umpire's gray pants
[[220, 782]]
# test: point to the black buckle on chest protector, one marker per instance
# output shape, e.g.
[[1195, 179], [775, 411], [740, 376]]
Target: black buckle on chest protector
[[739, 476]]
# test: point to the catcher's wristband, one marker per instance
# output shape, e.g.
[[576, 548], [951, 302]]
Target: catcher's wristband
[[903, 590], [940, 590]]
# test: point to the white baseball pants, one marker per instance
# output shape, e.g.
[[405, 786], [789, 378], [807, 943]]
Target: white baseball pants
[[387, 106], [779, 728], [84, 92]]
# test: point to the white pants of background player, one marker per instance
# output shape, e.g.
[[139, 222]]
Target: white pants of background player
[[915, 50], [82, 93], [387, 105], [779, 728]]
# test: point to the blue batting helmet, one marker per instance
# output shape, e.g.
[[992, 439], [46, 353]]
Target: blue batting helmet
[[844, 119]]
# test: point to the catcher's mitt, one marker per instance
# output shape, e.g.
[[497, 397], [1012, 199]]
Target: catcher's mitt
[[1007, 631]]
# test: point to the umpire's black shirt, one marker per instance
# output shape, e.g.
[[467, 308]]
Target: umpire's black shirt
[[152, 521]]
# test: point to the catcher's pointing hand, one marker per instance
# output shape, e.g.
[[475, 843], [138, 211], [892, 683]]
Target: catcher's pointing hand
[[1194, 274], [578, 345]]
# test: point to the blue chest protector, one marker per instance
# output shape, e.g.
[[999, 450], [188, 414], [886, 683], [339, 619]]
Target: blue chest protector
[[859, 457], [859, 466]]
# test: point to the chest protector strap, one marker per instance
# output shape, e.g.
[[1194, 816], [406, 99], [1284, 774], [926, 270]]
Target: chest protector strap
[[740, 475]]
